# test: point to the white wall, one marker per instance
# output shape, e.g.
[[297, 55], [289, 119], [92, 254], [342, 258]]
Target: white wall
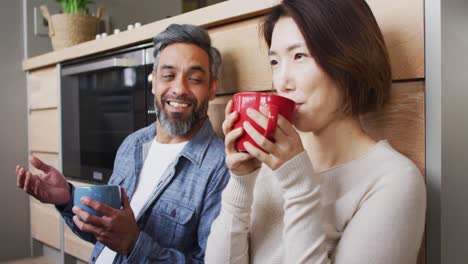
[[433, 130], [14, 216], [454, 131], [120, 14], [124, 12], [36, 44], [447, 130]]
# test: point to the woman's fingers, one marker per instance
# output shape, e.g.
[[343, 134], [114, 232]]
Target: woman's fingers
[[242, 163], [230, 118], [228, 108], [285, 126], [229, 122], [257, 117], [261, 140], [236, 159], [257, 153], [230, 140]]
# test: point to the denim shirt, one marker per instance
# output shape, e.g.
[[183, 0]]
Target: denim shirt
[[175, 222]]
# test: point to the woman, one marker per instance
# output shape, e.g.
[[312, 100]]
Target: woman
[[354, 200]]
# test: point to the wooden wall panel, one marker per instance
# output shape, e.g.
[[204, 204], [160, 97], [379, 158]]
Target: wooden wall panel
[[43, 88], [245, 61], [216, 113], [402, 24], [402, 122], [45, 223], [43, 131], [75, 246]]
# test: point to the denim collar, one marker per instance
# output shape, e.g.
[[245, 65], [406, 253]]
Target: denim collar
[[193, 151]]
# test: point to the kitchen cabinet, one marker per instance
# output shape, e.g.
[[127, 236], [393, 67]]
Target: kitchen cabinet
[[43, 124]]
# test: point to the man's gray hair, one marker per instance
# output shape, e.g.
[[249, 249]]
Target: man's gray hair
[[188, 34]]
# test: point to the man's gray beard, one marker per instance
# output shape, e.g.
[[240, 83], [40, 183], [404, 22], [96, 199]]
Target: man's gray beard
[[177, 125]]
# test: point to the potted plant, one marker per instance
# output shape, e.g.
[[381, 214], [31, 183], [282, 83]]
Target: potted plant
[[74, 25]]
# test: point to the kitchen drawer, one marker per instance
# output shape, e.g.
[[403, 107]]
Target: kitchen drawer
[[43, 88], [45, 223], [44, 131], [75, 246]]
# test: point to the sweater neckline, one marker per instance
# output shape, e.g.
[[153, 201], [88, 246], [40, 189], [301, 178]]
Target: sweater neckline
[[346, 164]]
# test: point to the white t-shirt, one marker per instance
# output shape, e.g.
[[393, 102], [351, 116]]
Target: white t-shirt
[[158, 158]]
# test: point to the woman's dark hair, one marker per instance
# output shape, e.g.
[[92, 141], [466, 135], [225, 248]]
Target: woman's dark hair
[[346, 42]]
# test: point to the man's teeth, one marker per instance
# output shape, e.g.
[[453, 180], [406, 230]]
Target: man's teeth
[[178, 105]]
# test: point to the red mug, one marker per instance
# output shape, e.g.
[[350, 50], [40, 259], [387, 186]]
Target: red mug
[[276, 104]]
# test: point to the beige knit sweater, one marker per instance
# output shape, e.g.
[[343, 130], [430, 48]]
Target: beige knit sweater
[[370, 210]]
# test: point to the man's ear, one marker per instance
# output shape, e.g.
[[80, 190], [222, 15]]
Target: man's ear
[[153, 82], [213, 89]]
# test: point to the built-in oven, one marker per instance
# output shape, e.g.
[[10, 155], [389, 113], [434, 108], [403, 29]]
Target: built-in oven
[[103, 99]]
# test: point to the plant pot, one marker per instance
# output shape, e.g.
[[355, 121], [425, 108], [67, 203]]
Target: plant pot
[[66, 30]]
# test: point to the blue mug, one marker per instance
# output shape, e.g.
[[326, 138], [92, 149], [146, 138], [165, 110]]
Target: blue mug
[[106, 194]]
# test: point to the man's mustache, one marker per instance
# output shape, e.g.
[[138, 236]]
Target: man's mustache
[[191, 100]]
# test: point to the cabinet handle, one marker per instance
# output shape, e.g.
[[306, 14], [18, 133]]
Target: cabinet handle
[[100, 65]]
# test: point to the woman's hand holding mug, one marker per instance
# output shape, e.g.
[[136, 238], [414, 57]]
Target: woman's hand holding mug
[[286, 142], [239, 163], [253, 137]]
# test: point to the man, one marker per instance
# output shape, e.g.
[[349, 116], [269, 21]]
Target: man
[[173, 170]]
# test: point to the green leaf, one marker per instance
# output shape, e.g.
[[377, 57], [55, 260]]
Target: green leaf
[[75, 6]]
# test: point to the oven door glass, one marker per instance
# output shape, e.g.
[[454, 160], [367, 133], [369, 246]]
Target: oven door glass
[[102, 102]]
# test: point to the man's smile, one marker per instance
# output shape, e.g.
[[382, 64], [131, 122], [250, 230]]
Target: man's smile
[[178, 104]]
